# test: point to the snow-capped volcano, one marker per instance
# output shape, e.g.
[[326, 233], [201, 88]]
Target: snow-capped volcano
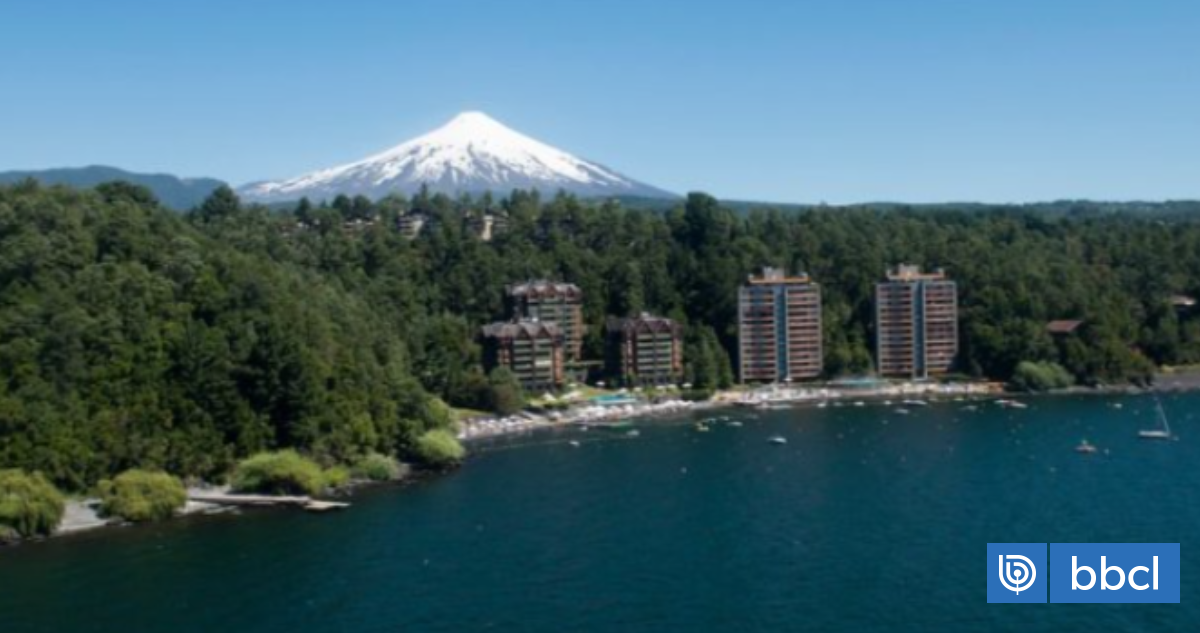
[[472, 153]]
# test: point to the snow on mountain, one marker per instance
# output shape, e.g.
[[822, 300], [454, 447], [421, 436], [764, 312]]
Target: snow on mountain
[[472, 153]]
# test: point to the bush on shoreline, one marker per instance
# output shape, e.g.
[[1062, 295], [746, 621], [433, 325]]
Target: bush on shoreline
[[1043, 376], [504, 393], [336, 477], [142, 496], [29, 504], [279, 473], [376, 467], [439, 449]]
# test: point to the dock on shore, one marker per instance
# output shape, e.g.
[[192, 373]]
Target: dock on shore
[[303, 502]]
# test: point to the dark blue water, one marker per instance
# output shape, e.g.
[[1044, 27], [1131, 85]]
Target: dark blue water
[[865, 520]]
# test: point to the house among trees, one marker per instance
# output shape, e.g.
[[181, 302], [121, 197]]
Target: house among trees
[[486, 225], [1063, 327], [533, 350], [411, 224], [779, 328], [644, 350], [916, 323]]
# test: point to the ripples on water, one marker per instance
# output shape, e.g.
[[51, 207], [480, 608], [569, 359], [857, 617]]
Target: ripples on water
[[865, 520]]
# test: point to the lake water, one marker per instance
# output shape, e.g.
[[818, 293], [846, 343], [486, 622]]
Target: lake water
[[865, 520]]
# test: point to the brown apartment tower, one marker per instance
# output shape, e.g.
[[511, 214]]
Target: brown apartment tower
[[532, 350], [552, 302], [916, 323], [644, 350], [779, 328]]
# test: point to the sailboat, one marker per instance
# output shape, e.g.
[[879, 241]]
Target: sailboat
[[1163, 433]]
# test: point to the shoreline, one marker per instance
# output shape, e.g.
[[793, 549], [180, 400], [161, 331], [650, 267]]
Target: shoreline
[[81, 515], [768, 396], [528, 421], [777, 396]]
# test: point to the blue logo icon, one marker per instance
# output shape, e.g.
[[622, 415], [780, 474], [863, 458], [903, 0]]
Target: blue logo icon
[[1016, 572], [1114, 572]]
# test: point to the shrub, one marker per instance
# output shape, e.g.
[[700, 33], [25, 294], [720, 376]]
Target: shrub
[[438, 448], [1030, 376], [376, 467], [29, 504], [504, 395], [279, 473], [139, 496], [337, 477]]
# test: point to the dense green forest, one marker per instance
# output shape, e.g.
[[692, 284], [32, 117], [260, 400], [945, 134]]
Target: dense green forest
[[134, 336]]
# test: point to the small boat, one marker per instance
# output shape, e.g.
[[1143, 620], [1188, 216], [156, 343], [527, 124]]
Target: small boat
[[633, 433], [735, 424], [702, 427], [620, 425], [1012, 404], [778, 439], [859, 403], [1163, 433], [903, 412], [822, 405], [916, 403], [574, 443], [1085, 447], [970, 407]]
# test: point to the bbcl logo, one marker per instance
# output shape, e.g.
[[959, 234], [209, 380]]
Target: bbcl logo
[[1017, 573], [1104, 571], [1083, 572], [1114, 572]]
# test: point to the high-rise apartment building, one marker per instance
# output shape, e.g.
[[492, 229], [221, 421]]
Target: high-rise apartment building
[[916, 323], [779, 328], [551, 302], [532, 350], [645, 350]]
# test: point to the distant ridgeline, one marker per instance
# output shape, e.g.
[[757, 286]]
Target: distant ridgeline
[[134, 336], [1073, 208], [176, 193]]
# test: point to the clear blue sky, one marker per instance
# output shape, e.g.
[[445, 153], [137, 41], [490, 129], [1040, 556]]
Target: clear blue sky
[[803, 101]]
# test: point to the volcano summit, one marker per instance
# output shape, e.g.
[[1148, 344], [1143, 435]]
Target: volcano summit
[[473, 153]]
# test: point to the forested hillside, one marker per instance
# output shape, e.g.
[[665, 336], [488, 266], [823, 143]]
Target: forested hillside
[[131, 336], [1017, 269]]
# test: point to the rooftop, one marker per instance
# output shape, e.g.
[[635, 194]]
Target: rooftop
[[521, 327], [772, 275], [643, 320], [1064, 326], [541, 287], [912, 272]]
